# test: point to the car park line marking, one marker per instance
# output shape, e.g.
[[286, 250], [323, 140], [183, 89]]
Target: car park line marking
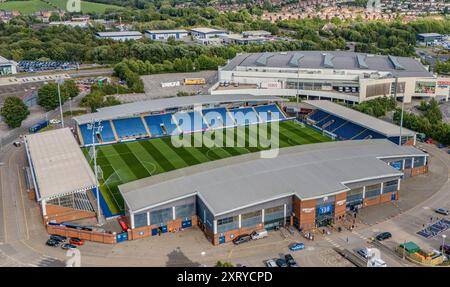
[[23, 204]]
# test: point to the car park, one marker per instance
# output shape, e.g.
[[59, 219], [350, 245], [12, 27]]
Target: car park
[[443, 211], [242, 239], [271, 263], [383, 236], [53, 243], [290, 260], [296, 246], [67, 246], [281, 262]]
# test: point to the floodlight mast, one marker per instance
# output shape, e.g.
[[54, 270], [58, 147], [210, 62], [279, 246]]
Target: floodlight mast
[[96, 127]]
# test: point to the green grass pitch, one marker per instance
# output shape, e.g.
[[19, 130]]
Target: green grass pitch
[[125, 162]]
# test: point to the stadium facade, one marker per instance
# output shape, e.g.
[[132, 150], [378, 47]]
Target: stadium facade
[[332, 75], [305, 186]]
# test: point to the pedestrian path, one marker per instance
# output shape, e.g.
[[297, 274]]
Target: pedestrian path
[[329, 240]]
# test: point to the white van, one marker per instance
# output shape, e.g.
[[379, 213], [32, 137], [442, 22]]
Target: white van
[[378, 263], [259, 234]]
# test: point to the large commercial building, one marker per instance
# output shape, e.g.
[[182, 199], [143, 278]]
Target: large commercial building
[[120, 36], [335, 75], [7, 67], [306, 186], [163, 35]]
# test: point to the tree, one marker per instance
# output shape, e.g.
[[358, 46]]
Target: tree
[[14, 111], [48, 96], [223, 264], [70, 89], [93, 100]]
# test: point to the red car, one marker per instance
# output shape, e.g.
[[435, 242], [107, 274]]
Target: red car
[[429, 141], [123, 224], [76, 241]]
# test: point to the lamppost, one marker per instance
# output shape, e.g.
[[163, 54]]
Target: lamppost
[[59, 82], [96, 128], [443, 245]]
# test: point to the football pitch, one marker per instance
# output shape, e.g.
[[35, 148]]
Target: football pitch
[[125, 162]]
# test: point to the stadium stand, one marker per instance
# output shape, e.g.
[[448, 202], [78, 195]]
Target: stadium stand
[[191, 122], [245, 116], [106, 135], [218, 118], [87, 135], [131, 127], [269, 112]]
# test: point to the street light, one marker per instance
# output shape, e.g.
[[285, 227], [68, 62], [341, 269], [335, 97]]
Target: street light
[[96, 128], [60, 82]]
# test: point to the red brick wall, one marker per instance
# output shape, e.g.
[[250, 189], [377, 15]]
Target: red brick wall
[[419, 170], [62, 214], [83, 234], [236, 232], [146, 231], [307, 219], [385, 197], [339, 210], [371, 201]]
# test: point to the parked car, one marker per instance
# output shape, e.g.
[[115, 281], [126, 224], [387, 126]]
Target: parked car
[[67, 246], [429, 141], [259, 234], [55, 121], [443, 211], [441, 145], [290, 260], [271, 263], [17, 144], [378, 263], [53, 243], [76, 241], [446, 249], [281, 262], [296, 246], [59, 238], [383, 236], [242, 239], [363, 252]]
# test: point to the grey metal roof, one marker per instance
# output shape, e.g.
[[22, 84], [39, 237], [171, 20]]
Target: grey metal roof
[[59, 166], [131, 109], [337, 60], [383, 127], [119, 34], [308, 171], [165, 31]]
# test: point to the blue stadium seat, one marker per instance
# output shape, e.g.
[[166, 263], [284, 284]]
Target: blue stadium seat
[[269, 112], [368, 134], [245, 116], [154, 125], [348, 130], [337, 122], [87, 135], [166, 120], [218, 118], [191, 122], [318, 115], [107, 133], [131, 127]]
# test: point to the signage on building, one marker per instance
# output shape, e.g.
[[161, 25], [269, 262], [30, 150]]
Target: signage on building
[[324, 209], [170, 84], [271, 85], [397, 165], [443, 84], [307, 210], [340, 202]]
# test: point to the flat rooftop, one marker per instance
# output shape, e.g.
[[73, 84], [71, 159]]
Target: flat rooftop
[[334, 60], [166, 31], [119, 34], [135, 108], [307, 171], [207, 30], [58, 164], [359, 118]]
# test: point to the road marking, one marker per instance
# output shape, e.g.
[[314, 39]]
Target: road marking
[[23, 204], [332, 242]]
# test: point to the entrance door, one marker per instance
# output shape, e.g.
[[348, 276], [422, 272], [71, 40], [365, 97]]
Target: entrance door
[[221, 239], [186, 223], [393, 196]]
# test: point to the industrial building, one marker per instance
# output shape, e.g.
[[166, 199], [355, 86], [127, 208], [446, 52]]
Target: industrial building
[[306, 186], [7, 67], [206, 33], [428, 38], [332, 75], [163, 35], [120, 36]]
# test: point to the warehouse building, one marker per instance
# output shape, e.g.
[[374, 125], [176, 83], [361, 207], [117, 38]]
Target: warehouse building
[[428, 38], [306, 186], [333, 75], [7, 67], [120, 36], [206, 33], [164, 35]]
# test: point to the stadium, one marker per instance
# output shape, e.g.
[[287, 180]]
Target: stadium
[[331, 159], [329, 75]]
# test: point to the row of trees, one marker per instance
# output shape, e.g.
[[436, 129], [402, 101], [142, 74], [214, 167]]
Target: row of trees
[[377, 107], [48, 94]]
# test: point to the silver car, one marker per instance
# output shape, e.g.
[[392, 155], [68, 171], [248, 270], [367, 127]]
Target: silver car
[[271, 263], [443, 211]]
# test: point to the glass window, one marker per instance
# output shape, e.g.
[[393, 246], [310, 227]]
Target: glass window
[[161, 216], [140, 219], [373, 190], [273, 213], [228, 223], [408, 163], [251, 219], [390, 186], [419, 161], [186, 210]]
